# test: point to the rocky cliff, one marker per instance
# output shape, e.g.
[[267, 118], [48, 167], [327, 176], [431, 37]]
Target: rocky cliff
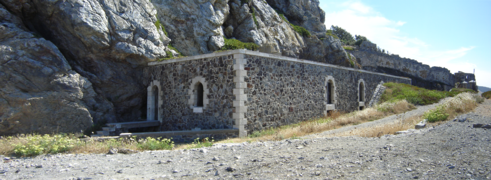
[[66, 64], [422, 75]]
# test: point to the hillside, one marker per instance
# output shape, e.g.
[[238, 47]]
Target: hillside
[[484, 89]]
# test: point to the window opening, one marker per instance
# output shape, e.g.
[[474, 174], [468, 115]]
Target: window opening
[[156, 102], [200, 90]]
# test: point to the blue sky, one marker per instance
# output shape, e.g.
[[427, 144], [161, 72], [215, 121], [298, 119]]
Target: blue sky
[[455, 34]]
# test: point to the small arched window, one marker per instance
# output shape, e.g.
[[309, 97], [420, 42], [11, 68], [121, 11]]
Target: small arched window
[[199, 94]]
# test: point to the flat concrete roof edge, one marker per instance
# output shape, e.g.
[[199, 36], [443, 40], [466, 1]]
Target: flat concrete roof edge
[[267, 55]]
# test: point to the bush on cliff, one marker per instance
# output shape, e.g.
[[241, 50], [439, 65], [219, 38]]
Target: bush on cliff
[[231, 44], [487, 95], [413, 94], [299, 29]]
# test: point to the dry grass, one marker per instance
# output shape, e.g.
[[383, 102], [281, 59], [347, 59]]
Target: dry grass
[[332, 121], [460, 104], [378, 131]]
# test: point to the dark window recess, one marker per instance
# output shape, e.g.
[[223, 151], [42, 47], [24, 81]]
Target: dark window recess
[[329, 92], [199, 89], [361, 92]]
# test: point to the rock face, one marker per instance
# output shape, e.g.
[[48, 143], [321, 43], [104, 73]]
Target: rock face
[[271, 32], [39, 91], [107, 41], [423, 75], [305, 13], [194, 25]]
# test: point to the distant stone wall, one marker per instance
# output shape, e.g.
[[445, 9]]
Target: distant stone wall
[[422, 75], [176, 80]]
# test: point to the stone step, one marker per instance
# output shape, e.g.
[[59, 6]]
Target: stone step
[[109, 129], [134, 124], [103, 133]]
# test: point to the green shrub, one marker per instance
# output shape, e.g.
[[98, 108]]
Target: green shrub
[[299, 29], [437, 114], [330, 33], [231, 44], [254, 17], [155, 144], [413, 94], [202, 143], [349, 48], [487, 95], [270, 131], [37, 144]]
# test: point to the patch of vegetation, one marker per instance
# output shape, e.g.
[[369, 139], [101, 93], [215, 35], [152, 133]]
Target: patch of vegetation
[[299, 29], [413, 94], [231, 44], [155, 144], [487, 95], [37, 144], [159, 25], [349, 48], [360, 39], [345, 37], [34, 144], [269, 131], [254, 17], [461, 90], [437, 114], [330, 33], [199, 143]]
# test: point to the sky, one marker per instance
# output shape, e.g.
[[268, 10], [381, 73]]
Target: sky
[[455, 34]]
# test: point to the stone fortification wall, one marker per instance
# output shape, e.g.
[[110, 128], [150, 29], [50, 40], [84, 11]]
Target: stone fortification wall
[[422, 75], [282, 90], [176, 79]]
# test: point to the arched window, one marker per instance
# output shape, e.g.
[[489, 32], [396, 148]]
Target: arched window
[[330, 96], [199, 94]]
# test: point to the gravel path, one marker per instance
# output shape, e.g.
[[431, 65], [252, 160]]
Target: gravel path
[[453, 150]]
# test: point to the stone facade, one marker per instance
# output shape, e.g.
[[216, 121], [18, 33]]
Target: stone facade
[[251, 91]]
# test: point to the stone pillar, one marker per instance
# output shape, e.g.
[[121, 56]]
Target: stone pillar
[[240, 96]]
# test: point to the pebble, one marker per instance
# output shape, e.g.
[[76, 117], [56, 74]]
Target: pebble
[[230, 169], [120, 171], [215, 158], [317, 173], [451, 167]]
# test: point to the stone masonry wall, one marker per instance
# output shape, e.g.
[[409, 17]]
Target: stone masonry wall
[[281, 92], [422, 75], [251, 91], [176, 80]]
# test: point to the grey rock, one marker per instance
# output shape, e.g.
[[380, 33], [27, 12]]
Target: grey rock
[[106, 41], [229, 31], [230, 169], [39, 166], [120, 171], [39, 91], [113, 151], [216, 158], [194, 26], [317, 173], [305, 13], [477, 125]]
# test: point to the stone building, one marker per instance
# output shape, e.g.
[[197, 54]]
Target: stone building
[[249, 91], [465, 80]]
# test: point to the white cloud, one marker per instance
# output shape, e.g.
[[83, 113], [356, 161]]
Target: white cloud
[[360, 19]]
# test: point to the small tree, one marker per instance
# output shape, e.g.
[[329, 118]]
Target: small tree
[[345, 37]]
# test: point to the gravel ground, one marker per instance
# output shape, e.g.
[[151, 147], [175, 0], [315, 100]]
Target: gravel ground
[[453, 150]]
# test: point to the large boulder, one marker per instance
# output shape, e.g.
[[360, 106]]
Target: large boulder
[[39, 91], [107, 41], [305, 13]]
